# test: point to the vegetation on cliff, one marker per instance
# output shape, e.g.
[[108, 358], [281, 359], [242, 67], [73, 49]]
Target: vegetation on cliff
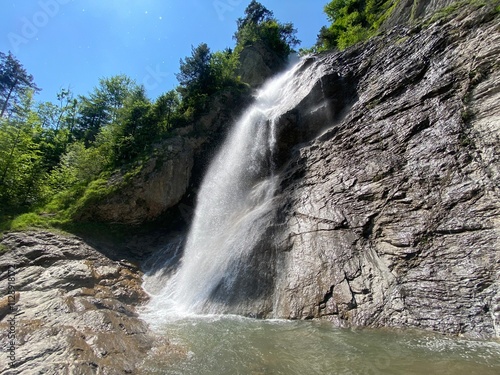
[[55, 158], [352, 21]]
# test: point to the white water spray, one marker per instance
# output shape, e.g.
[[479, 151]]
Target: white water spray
[[234, 205]]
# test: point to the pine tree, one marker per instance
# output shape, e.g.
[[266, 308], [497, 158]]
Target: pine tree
[[15, 82]]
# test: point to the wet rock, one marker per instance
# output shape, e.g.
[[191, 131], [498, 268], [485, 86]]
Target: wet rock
[[391, 216], [74, 311]]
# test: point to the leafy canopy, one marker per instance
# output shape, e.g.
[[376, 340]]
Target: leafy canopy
[[15, 83], [260, 25], [352, 21]]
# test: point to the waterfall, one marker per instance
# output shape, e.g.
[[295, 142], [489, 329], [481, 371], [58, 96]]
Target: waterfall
[[234, 207]]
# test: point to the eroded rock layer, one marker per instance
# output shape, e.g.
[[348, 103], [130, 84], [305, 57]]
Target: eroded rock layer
[[391, 216]]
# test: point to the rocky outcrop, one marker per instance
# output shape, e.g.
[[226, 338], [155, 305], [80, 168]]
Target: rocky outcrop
[[412, 11], [259, 63], [144, 195], [155, 186], [391, 216], [74, 310]]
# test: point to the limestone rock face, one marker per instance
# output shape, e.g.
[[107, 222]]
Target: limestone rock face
[[408, 11], [75, 309], [391, 216], [258, 63], [160, 184]]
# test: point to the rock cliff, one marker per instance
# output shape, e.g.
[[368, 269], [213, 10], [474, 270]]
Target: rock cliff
[[391, 215], [412, 11], [388, 209], [258, 63]]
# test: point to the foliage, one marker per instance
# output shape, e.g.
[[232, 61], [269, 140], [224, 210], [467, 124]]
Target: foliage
[[194, 72], [260, 25], [103, 105], [223, 65], [15, 83], [165, 111], [57, 122], [21, 161], [202, 75], [352, 21]]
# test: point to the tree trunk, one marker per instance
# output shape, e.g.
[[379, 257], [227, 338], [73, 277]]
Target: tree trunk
[[4, 107]]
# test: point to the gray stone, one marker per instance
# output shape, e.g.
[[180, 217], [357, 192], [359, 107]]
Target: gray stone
[[75, 309], [391, 216], [259, 63]]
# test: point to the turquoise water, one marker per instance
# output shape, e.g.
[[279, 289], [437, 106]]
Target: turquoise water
[[234, 345]]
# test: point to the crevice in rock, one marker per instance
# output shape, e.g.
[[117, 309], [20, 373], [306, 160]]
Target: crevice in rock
[[367, 230], [326, 297], [419, 127]]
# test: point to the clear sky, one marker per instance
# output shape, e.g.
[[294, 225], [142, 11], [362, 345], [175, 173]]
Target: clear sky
[[73, 43]]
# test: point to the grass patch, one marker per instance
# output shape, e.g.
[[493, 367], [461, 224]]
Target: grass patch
[[3, 249], [95, 192], [61, 209], [449, 12]]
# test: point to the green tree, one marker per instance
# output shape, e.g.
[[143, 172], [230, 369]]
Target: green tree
[[15, 83], [196, 79], [79, 165], [260, 25], [202, 75], [135, 130], [58, 122], [164, 112], [352, 21], [21, 163], [102, 106], [224, 65], [195, 75]]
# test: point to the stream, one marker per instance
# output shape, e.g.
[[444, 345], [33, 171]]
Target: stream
[[221, 345]]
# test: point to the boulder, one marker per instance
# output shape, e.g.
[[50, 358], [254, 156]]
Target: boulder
[[75, 310]]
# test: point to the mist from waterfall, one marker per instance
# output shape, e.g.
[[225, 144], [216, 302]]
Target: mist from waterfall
[[234, 207]]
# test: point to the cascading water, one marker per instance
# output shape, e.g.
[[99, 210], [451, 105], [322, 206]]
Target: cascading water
[[225, 261], [235, 205]]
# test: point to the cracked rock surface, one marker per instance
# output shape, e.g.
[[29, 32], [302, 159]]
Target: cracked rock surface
[[75, 310], [391, 217]]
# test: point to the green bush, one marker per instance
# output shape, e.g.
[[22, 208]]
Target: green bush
[[352, 21]]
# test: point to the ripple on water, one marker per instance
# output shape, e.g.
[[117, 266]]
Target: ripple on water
[[220, 345]]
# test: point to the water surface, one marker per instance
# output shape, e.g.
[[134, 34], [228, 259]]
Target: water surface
[[221, 345]]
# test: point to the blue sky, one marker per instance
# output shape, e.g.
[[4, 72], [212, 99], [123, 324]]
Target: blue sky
[[73, 43]]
